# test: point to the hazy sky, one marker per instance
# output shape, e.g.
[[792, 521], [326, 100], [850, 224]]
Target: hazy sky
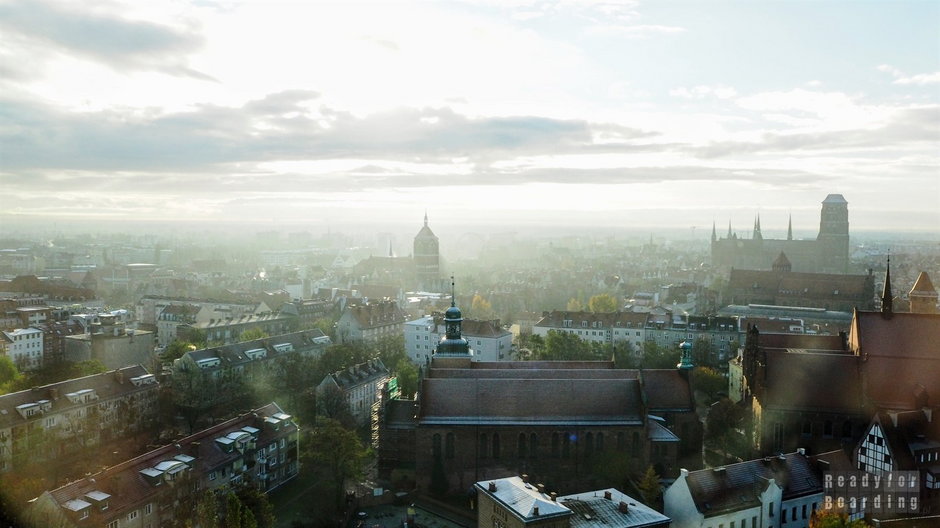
[[572, 112]]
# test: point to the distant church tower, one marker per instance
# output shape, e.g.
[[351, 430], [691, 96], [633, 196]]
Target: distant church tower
[[834, 235], [427, 256]]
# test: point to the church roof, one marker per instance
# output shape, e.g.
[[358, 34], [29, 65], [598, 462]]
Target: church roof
[[802, 285], [508, 401], [786, 369], [923, 286], [426, 233], [835, 199], [781, 260], [904, 345]]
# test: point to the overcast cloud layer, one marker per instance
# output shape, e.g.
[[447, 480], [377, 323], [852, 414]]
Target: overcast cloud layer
[[313, 112]]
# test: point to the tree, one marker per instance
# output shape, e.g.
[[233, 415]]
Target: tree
[[407, 374], [338, 454], [8, 374], [832, 519], [480, 308], [659, 357], [702, 354], [602, 303], [175, 350], [333, 405], [710, 382], [565, 346], [650, 488], [574, 305], [252, 334]]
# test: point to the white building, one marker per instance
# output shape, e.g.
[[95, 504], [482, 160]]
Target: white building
[[606, 328], [24, 346], [779, 491], [361, 385], [489, 341]]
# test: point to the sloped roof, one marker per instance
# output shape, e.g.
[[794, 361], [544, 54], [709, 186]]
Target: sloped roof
[[907, 432], [556, 319], [739, 485], [530, 401], [545, 373], [667, 390], [906, 345], [802, 284], [106, 385], [374, 315], [359, 374], [593, 509], [522, 498], [923, 286], [522, 365], [825, 381], [127, 488], [781, 261]]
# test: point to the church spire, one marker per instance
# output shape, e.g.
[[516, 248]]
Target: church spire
[[714, 232], [729, 228], [425, 218], [790, 228], [887, 299], [757, 233]]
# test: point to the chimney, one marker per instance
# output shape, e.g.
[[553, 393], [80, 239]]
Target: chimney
[[492, 487], [801, 450], [54, 393], [554, 496], [119, 376], [607, 495], [541, 488], [623, 507], [525, 478], [535, 511]]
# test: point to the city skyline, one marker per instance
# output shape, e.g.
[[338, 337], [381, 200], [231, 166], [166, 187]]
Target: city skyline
[[669, 114]]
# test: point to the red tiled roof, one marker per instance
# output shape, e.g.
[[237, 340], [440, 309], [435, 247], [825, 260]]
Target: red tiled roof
[[812, 381]]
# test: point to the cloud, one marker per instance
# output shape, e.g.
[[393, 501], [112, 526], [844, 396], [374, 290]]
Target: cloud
[[637, 31], [701, 91], [920, 79], [281, 126], [39, 27], [911, 126]]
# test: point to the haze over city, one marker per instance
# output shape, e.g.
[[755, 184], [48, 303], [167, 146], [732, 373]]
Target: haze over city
[[666, 114]]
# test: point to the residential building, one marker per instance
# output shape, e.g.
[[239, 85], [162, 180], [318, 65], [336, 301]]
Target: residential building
[[613, 328], [47, 422], [490, 342], [259, 448], [170, 318], [111, 343], [24, 346], [515, 502], [828, 253], [228, 329], [307, 311], [361, 385], [370, 322], [247, 357], [776, 491]]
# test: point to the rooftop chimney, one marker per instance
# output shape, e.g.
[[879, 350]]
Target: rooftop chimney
[[541, 488], [535, 511], [554, 496], [607, 495], [525, 478], [492, 487], [623, 507]]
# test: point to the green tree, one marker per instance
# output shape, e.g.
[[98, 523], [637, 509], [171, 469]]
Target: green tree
[[337, 453], [252, 333], [709, 382], [574, 305], [407, 374], [258, 512], [603, 303], [9, 374], [175, 350], [832, 519], [565, 346], [659, 357], [702, 354], [333, 405], [650, 488]]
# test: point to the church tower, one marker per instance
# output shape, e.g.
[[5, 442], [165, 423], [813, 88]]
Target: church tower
[[923, 295], [833, 238], [427, 256], [453, 350]]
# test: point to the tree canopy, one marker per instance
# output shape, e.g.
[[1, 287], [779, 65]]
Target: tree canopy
[[603, 303]]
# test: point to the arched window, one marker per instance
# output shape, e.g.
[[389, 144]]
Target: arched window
[[520, 448], [600, 442], [483, 445], [495, 445], [556, 445], [588, 443], [449, 446], [436, 445], [533, 445], [621, 442], [846, 429]]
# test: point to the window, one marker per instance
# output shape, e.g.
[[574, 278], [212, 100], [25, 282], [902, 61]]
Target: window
[[113, 524], [436, 445], [804, 511], [807, 428], [520, 448], [827, 428], [621, 442], [132, 515], [533, 445], [600, 441]]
